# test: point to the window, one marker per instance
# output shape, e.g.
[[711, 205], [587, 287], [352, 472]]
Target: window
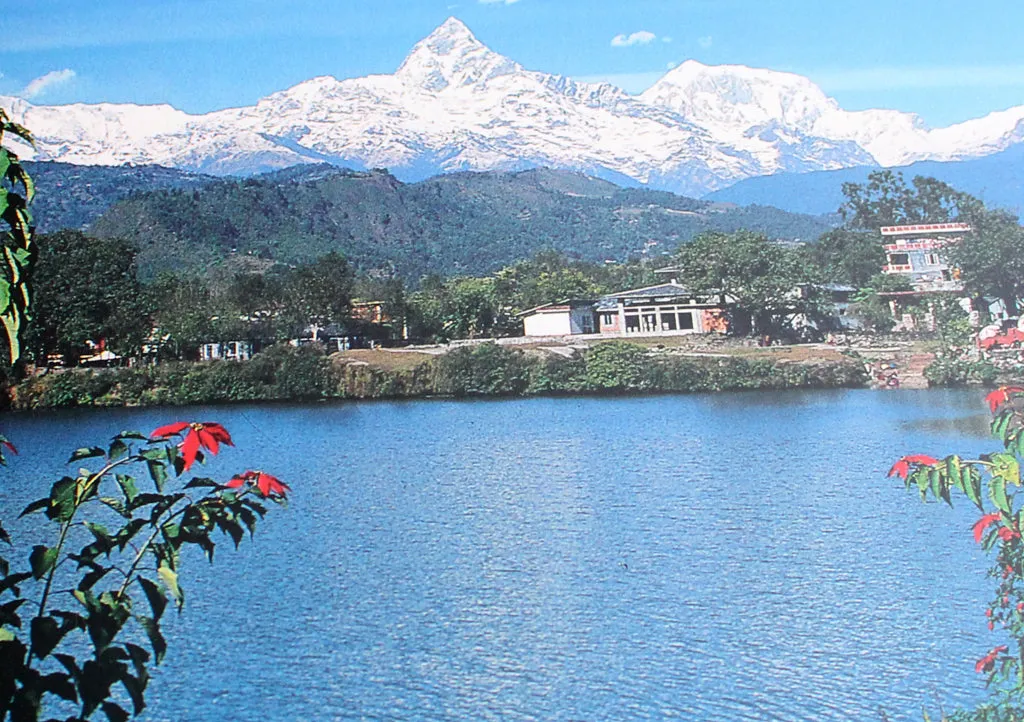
[[931, 259], [607, 319], [650, 322], [899, 259], [668, 321], [686, 321], [632, 323]]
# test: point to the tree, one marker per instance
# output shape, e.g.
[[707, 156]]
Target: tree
[[184, 312], [846, 256], [19, 248], [86, 291], [872, 308], [887, 200], [990, 259], [761, 278], [318, 293]]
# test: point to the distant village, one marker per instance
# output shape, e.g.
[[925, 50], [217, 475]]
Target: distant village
[[671, 309]]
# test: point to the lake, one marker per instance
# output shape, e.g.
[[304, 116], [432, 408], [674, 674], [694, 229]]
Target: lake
[[738, 556]]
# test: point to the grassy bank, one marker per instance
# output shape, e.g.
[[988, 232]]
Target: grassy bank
[[285, 373]]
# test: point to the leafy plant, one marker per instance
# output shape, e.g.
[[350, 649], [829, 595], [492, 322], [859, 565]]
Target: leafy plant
[[18, 249], [990, 482], [112, 568]]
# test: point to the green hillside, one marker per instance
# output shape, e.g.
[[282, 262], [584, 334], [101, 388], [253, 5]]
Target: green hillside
[[73, 196], [464, 223]]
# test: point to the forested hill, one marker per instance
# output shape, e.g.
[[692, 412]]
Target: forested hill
[[467, 223], [73, 196]]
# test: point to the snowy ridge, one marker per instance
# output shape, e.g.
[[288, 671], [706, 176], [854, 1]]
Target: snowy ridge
[[454, 104]]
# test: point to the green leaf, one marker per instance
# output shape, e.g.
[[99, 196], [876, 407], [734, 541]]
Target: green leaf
[[128, 488], [37, 505], [59, 683], [118, 449], [62, 500], [45, 634], [972, 487], [157, 472], [114, 712], [1006, 467], [997, 492], [170, 579], [156, 597], [86, 452], [136, 690], [156, 639], [42, 560]]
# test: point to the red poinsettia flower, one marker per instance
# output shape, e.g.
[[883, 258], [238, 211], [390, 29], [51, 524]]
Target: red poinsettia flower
[[207, 435], [1008, 534], [988, 662], [266, 484], [902, 467], [1001, 395], [984, 523]]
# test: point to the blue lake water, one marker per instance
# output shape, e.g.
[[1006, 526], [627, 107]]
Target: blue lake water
[[722, 557]]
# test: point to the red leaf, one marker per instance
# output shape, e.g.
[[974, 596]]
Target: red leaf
[[902, 467], [189, 447], [169, 430], [984, 523]]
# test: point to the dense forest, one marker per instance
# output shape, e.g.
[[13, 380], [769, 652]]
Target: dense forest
[[460, 224]]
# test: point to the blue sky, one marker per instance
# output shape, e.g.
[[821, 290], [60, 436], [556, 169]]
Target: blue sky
[[936, 58]]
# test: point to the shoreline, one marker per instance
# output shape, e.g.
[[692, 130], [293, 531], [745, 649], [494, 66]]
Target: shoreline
[[485, 370]]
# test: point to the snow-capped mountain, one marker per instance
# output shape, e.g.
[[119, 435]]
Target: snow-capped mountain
[[454, 104]]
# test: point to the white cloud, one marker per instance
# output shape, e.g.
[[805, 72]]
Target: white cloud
[[640, 37], [44, 83], [705, 41], [492, 2]]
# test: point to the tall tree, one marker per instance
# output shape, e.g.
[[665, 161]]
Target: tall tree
[[990, 259], [762, 278], [86, 291], [887, 200], [318, 293], [846, 256]]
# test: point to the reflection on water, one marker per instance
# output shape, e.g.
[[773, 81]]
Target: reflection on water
[[726, 557]]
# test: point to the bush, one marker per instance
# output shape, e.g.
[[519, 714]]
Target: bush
[[487, 369], [616, 366], [945, 371]]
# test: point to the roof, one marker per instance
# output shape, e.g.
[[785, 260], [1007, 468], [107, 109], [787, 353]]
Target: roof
[[570, 302], [662, 289], [660, 293], [925, 228]]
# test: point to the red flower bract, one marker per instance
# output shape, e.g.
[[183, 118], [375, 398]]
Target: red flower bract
[[902, 467], [1001, 395], [206, 435], [9, 445], [1008, 534], [265, 484], [988, 662], [984, 523]]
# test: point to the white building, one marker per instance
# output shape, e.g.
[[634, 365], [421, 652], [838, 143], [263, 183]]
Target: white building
[[915, 251], [565, 318], [665, 309]]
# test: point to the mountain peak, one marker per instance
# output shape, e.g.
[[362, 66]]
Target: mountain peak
[[452, 57], [737, 95]]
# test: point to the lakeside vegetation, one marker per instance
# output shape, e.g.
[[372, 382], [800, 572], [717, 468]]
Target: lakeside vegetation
[[307, 373]]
